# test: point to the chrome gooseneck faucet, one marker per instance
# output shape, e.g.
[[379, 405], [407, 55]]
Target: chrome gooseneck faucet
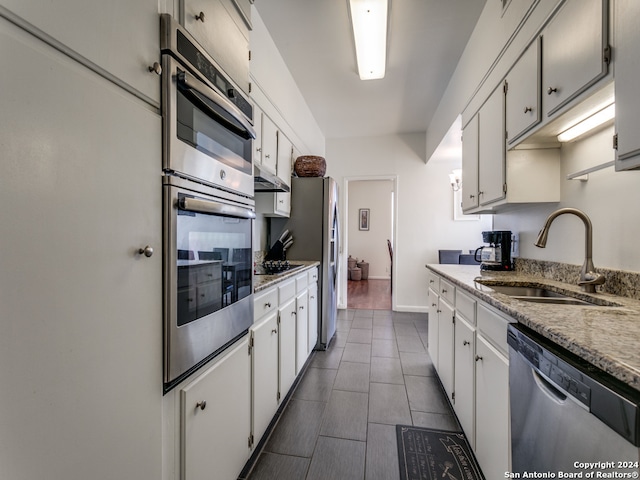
[[588, 276]]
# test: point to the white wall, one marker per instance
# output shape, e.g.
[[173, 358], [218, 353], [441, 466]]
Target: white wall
[[424, 207], [276, 93], [371, 245], [610, 200]]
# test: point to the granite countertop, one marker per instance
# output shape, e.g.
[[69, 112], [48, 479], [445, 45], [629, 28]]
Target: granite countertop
[[605, 336], [262, 282]]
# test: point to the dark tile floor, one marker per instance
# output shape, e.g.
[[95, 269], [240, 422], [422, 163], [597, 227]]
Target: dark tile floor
[[340, 421]]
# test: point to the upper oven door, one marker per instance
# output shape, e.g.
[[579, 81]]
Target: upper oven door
[[206, 137]]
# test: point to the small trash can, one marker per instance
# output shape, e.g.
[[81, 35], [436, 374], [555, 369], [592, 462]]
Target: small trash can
[[351, 262], [364, 267]]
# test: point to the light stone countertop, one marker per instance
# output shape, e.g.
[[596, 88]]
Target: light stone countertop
[[262, 282], [605, 336]]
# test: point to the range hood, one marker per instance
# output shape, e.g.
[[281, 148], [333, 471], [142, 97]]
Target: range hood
[[264, 181]]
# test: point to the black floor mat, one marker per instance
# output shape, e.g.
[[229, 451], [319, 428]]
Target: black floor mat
[[429, 454]]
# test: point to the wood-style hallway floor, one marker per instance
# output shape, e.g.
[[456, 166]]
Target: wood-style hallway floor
[[371, 294]]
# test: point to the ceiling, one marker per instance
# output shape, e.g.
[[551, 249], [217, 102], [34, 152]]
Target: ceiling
[[425, 41]]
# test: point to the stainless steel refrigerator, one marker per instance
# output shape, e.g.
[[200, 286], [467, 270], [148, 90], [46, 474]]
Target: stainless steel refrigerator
[[314, 225]]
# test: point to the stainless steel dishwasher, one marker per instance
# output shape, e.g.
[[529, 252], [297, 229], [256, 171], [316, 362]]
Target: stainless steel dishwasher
[[566, 414]]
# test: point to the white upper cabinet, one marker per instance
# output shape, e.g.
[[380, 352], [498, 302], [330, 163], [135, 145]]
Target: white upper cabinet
[[285, 153], [575, 52], [220, 28], [491, 149], [470, 165], [269, 145], [523, 93], [119, 36], [257, 143], [627, 73]]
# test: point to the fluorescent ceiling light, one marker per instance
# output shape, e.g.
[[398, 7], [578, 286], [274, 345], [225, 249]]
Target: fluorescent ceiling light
[[589, 123], [369, 19]]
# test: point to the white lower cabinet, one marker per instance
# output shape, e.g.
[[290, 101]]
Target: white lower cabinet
[[464, 376], [445, 346], [215, 424], [279, 338], [302, 330], [264, 374], [473, 366], [493, 441], [287, 348], [313, 317]]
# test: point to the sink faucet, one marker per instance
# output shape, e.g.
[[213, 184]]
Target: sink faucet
[[588, 276]]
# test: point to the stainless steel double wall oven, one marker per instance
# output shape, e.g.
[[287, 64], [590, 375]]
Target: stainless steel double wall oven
[[208, 206]]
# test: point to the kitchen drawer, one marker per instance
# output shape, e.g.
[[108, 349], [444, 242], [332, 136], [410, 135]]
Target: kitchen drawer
[[287, 290], [466, 306], [312, 275], [302, 281], [447, 291], [493, 327], [433, 281], [265, 302]]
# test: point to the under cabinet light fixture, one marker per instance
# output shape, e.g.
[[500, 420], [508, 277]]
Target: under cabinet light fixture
[[590, 123], [369, 19]]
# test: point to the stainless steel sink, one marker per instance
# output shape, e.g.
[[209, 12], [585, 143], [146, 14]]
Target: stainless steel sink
[[542, 295]]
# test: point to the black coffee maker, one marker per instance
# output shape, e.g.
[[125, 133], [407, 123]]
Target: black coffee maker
[[496, 256]]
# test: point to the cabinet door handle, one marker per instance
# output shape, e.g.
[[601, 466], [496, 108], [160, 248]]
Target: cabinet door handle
[[259, 149], [478, 357], [267, 305], [274, 331], [301, 307], [201, 405], [433, 304], [466, 342], [438, 311], [312, 297], [551, 90], [155, 68], [472, 196], [444, 290], [528, 109], [294, 313], [431, 281], [146, 251], [200, 17], [267, 156]]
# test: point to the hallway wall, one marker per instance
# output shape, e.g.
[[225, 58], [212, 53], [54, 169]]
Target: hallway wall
[[371, 245]]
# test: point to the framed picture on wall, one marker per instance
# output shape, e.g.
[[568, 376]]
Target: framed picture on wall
[[363, 215]]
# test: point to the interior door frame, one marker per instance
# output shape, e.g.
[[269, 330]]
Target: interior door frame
[[344, 247]]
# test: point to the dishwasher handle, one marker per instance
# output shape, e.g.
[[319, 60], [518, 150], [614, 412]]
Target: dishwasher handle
[[548, 388]]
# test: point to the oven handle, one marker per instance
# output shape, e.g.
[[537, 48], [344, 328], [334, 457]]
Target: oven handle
[[207, 206], [197, 88]]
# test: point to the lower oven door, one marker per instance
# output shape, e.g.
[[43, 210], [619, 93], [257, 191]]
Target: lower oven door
[[208, 276]]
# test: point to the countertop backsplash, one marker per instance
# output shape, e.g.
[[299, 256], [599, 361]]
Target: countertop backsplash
[[618, 282]]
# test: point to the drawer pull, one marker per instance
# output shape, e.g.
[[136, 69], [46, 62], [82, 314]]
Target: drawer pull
[[444, 290], [466, 342], [528, 109], [478, 357], [551, 90], [267, 305], [201, 405], [274, 331], [200, 17]]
